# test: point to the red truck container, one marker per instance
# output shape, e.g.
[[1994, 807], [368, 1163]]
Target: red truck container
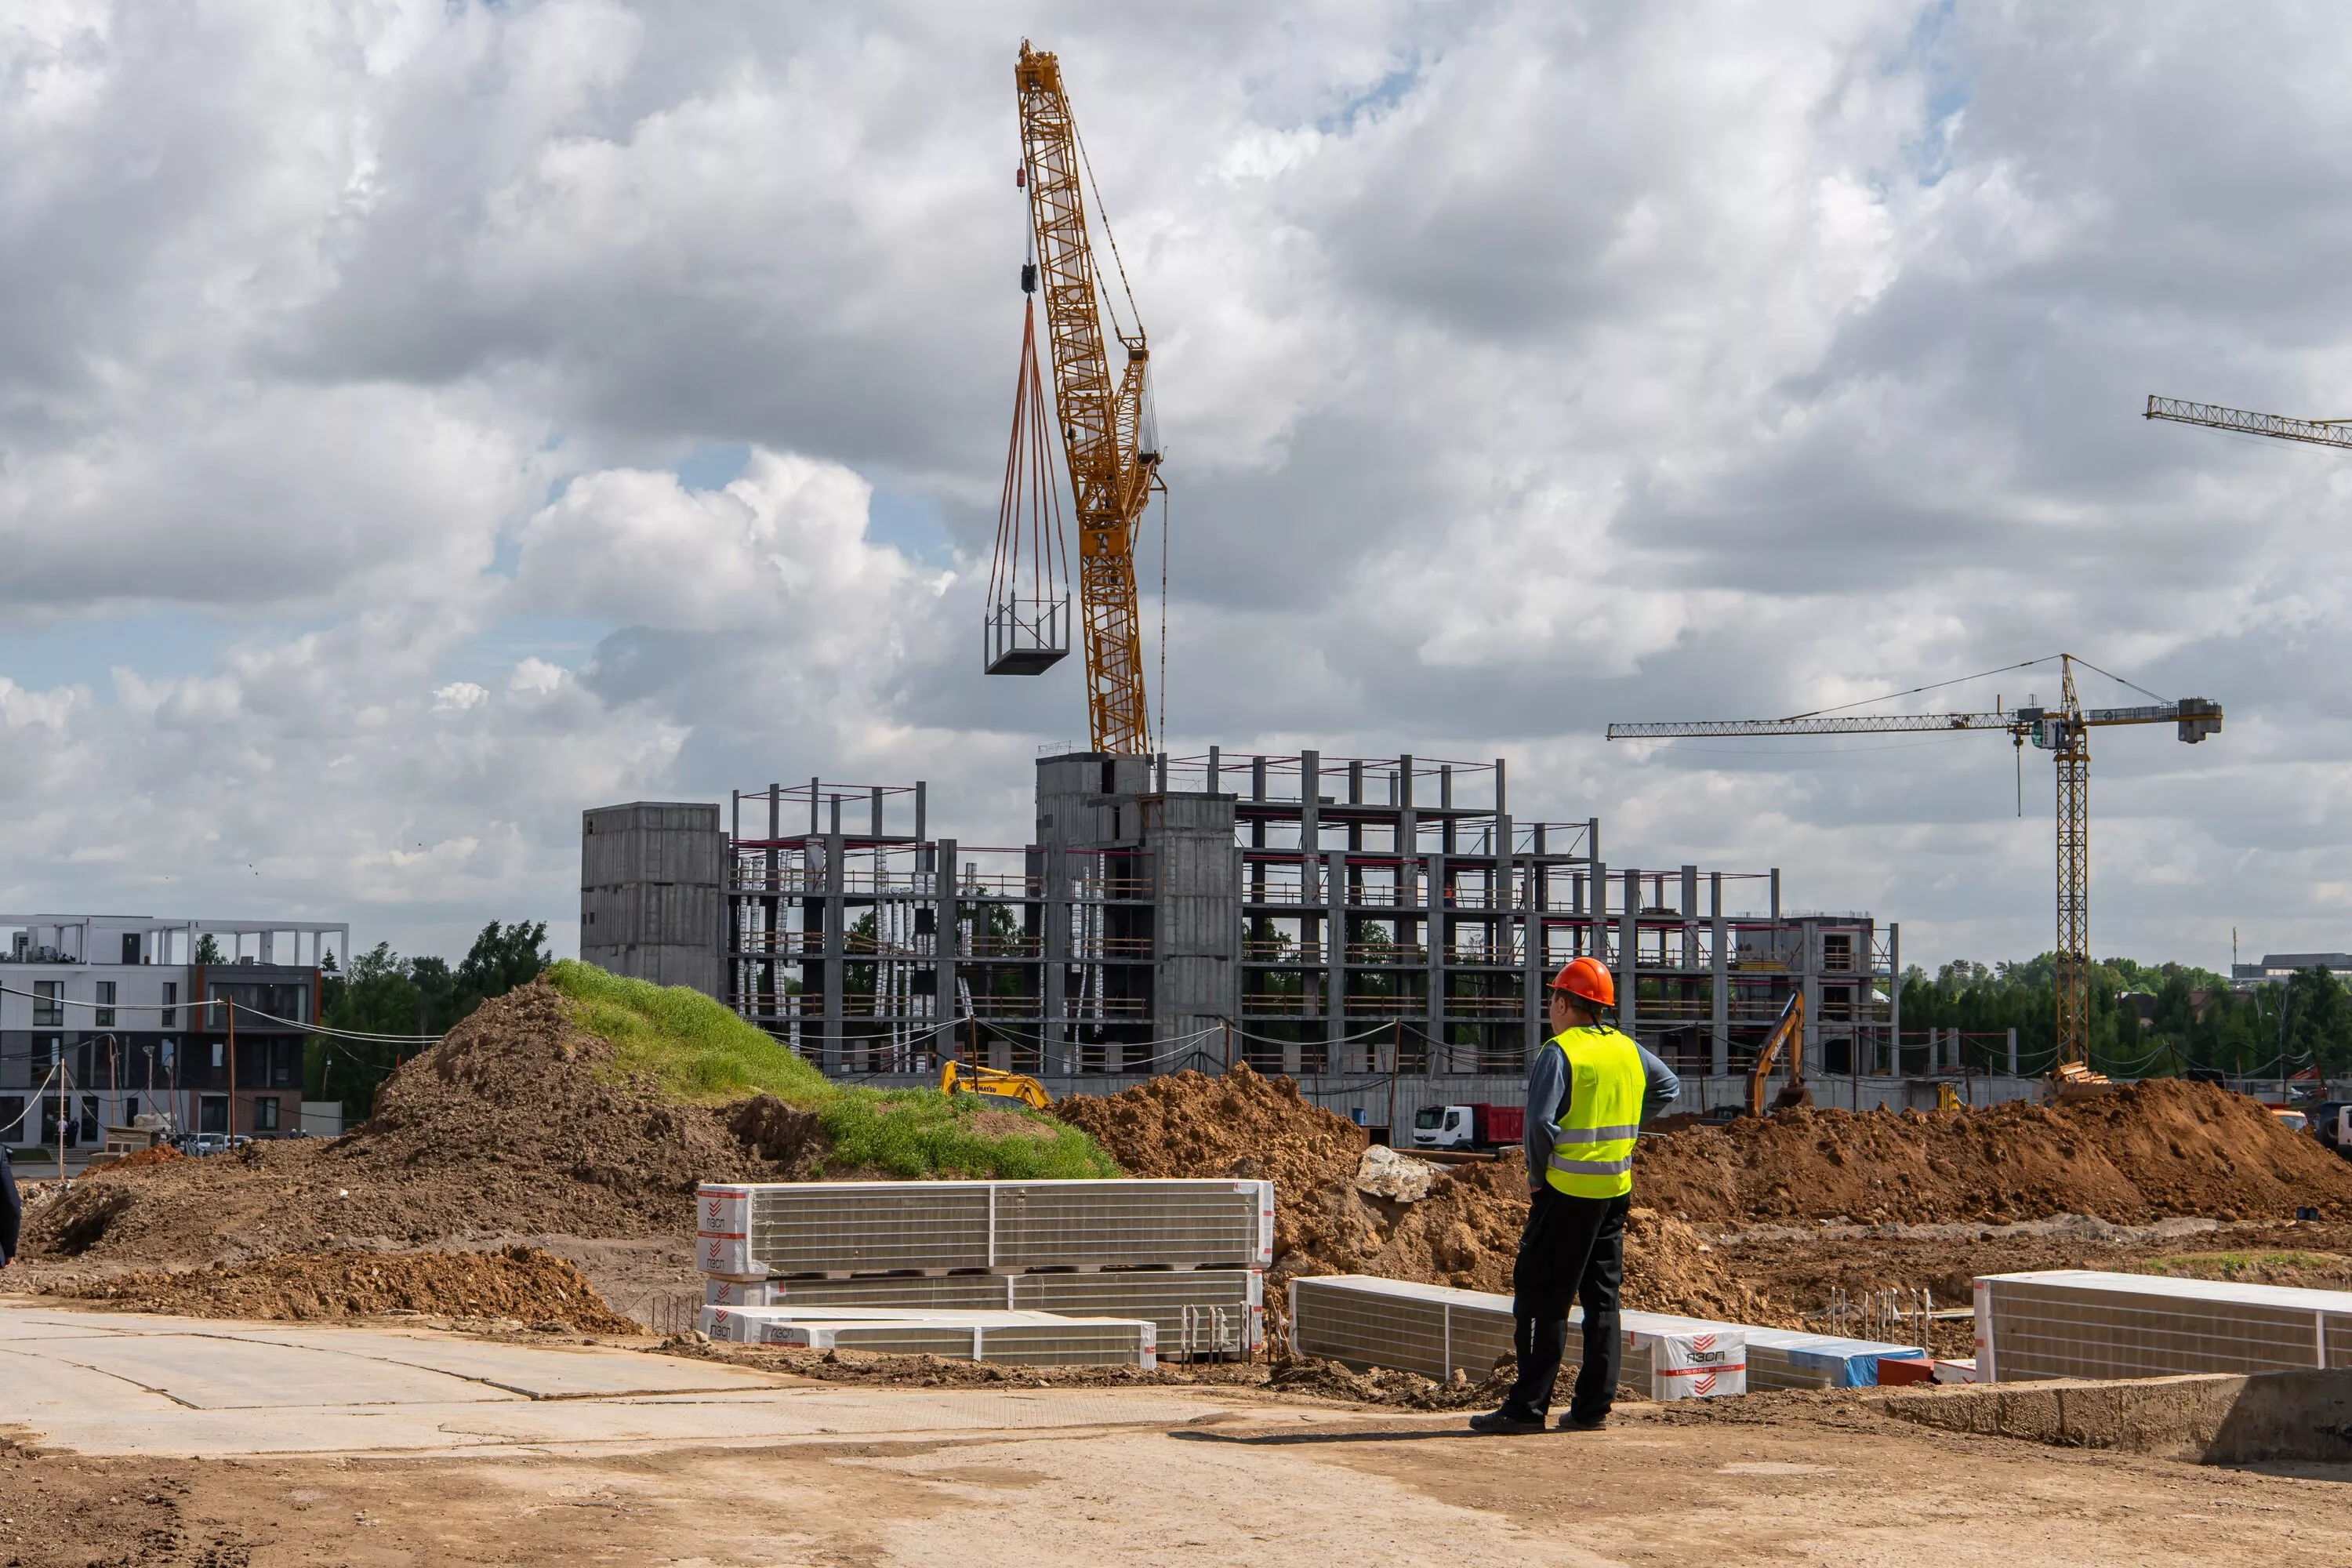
[[1468, 1126]]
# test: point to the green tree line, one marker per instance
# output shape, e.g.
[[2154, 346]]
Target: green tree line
[[2194, 1021], [384, 993]]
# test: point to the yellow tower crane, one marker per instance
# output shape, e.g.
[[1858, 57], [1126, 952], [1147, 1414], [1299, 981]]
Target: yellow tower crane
[[2064, 732], [1105, 426]]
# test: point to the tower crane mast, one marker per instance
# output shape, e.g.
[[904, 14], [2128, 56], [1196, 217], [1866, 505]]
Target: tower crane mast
[[1106, 435], [2064, 733]]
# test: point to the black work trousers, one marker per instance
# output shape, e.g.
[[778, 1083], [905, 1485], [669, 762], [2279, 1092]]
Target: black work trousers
[[1572, 1250]]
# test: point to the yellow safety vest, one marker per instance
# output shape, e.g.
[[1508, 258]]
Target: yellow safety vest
[[1593, 1155]]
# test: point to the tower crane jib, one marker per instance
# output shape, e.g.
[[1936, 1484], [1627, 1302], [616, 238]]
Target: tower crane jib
[[2063, 731]]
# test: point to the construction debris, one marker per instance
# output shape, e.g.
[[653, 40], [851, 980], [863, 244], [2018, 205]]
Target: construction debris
[[1382, 1172]]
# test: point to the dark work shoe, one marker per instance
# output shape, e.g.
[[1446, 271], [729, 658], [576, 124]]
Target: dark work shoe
[[1572, 1422], [1505, 1420]]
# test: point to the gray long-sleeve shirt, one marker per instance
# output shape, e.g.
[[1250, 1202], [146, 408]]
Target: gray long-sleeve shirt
[[12, 1212], [1548, 1098]]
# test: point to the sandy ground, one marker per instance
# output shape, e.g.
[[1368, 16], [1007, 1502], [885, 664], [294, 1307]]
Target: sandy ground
[[1831, 1486], [542, 1455]]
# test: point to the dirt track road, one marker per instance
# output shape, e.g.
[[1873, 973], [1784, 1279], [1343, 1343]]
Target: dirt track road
[[1256, 1481]]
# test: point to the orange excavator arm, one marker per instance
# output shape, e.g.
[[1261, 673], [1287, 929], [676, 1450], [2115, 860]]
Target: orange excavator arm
[[1787, 1038]]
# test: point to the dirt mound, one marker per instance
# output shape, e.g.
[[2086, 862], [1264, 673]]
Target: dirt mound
[[512, 1125], [161, 1154], [1465, 1233], [2148, 1151], [519, 1282]]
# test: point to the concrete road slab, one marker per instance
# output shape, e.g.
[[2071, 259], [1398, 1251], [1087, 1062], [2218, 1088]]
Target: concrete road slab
[[132, 1384], [212, 1374], [593, 1426], [33, 1388], [536, 1371], [25, 1326]]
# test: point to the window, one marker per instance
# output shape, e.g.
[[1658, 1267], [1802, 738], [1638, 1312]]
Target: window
[[1837, 950], [130, 1109], [89, 1118], [12, 1118], [104, 1018], [171, 1019], [218, 1049], [212, 1113], [47, 1049], [264, 1114], [49, 1011]]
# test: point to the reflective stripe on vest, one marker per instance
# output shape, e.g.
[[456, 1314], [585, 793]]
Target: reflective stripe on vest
[[1603, 1117]]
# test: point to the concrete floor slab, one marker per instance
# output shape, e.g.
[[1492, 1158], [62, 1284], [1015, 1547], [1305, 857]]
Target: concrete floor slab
[[214, 1373], [123, 1383]]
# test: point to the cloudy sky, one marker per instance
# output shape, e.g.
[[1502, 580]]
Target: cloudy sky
[[421, 419]]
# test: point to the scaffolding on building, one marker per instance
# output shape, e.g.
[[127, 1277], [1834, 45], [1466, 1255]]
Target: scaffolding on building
[[1307, 915]]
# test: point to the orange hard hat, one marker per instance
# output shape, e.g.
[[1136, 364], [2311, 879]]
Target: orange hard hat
[[1585, 977]]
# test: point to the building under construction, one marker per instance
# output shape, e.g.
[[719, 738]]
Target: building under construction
[[1314, 916]]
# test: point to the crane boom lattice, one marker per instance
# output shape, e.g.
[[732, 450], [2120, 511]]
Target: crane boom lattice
[[1103, 424]]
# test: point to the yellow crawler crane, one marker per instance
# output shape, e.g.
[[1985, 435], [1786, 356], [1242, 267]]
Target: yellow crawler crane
[[1106, 429]]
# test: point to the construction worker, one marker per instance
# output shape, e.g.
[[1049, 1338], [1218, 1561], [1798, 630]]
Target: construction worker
[[1589, 1091]]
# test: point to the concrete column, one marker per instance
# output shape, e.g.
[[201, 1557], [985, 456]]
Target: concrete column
[[1335, 958], [1629, 947], [1435, 936], [1895, 998], [2012, 1052], [1808, 934], [1053, 1052], [1719, 1008], [830, 1043], [1531, 929], [944, 1010]]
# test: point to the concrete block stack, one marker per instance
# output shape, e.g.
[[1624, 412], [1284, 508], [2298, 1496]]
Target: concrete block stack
[[1185, 1258], [2073, 1323], [1436, 1331]]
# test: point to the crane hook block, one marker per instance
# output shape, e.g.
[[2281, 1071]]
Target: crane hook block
[[1028, 277]]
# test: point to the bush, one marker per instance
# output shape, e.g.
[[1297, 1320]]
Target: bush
[[910, 1132], [689, 1045], [693, 1049]]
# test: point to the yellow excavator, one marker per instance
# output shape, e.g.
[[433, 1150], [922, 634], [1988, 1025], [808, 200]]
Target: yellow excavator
[[992, 1083], [1787, 1038]]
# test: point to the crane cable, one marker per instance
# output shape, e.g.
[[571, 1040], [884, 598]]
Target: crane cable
[[1110, 238]]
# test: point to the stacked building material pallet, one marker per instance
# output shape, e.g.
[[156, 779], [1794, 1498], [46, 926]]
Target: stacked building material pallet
[[1189, 1256], [786, 1229], [1197, 1311], [1016, 1338], [1433, 1330], [2074, 1323], [1436, 1331]]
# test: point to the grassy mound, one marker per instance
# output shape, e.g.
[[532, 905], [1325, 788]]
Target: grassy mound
[[697, 1051]]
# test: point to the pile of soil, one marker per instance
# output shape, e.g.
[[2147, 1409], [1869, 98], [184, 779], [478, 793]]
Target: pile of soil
[[1465, 1233], [2162, 1148], [521, 1283], [513, 1125], [161, 1154]]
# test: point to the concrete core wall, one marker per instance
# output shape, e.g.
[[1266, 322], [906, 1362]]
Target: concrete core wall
[[652, 902]]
